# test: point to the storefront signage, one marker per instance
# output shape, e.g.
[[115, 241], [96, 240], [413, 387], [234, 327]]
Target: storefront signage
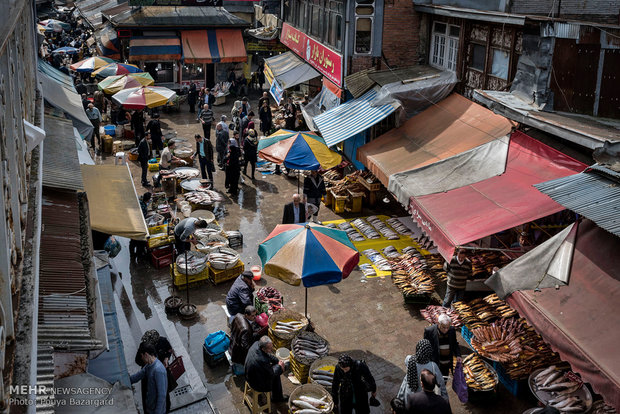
[[207, 3], [276, 91], [320, 57]]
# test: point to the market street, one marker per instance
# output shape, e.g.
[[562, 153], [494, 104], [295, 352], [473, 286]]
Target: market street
[[366, 317]]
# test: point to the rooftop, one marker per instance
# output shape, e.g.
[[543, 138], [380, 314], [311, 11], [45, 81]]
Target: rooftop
[[178, 17]]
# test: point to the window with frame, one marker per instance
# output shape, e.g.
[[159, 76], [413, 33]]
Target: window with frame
[[445, 45], [364, 20], [478, 57], [500, 63], [321, 19]]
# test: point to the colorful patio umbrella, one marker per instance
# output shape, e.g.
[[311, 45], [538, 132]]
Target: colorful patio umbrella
[[53, 25], [298, 150], [65, 50], [90, 64], [115, 68], [114, 84], [308, 254], [142, 97]]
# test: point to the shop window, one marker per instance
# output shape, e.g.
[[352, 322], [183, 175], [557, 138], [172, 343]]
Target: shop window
[[478, 57], [499, 66], [445, 46], [363, 35], [193, 72], [315, 21]]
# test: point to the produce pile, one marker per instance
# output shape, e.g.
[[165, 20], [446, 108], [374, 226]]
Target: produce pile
[[366, 229], [499, 341], [477, 374], [561, 385], [399, 227], [410, 275], [385, 230], [352, 233], [431, 314], [271, 296], [196, 263], [379, 261], [482, 263]]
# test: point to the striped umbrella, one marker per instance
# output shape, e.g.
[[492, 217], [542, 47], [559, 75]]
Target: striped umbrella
[[90, 64], [114, 84], [115, 68], [308, 254], [53, 25], [298, 150], [65, 50], [143, 97]]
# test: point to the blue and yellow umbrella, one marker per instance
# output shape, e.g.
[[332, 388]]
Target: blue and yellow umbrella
[[298, 150]]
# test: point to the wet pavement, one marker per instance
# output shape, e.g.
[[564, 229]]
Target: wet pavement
[[363, 317]]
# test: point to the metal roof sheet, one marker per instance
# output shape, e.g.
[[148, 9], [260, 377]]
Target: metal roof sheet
[[91, 10], [383, 77], [359, 83], [594, 193], [178, 17], [61, 165]]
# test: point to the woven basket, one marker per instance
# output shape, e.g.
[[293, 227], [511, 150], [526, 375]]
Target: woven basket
[[285, 315], [314, 391], [308, 335], [321, 364]]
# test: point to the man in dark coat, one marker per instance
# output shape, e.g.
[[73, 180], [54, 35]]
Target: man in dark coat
[[426, 401], [221, 144], [154, 127], [242, 335], [210, 98], [192, 94], [144, 153], [314, 189], [241, 294], [250, 152], [204, 152], [294, 212], [137, 124], [263, 370], [233, 165], [352, 382], [442, 337]]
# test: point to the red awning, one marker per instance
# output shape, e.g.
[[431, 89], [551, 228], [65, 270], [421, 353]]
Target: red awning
[[580, 321], [475, 211], [213, 46]]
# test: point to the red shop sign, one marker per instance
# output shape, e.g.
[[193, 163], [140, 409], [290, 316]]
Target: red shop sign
[[320, 57]]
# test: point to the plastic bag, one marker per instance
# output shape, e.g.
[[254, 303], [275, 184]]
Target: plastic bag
[[458, 383]]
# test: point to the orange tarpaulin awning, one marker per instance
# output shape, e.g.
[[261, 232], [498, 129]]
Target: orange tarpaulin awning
[[213, 46]]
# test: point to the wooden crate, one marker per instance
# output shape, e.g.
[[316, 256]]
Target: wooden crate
[[355, 201], [339, 203], [369, 187], [218, 276]]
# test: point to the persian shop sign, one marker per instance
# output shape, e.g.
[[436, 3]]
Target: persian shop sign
[[208, 3], [320, 57]]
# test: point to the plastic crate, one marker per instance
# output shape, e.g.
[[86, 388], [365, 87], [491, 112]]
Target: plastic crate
[[158, 229], [421, 299], [218, 276], [466, 334], [179, 278], [161, 256], [212, 359], [158, 240], [153, 166], [515, 387]]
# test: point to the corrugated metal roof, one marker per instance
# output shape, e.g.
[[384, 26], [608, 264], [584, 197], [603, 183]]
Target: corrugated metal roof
[[63, 304], [383, 77], [359, 83], [178, 17], [594, 193], [91, 10], [61, 166]]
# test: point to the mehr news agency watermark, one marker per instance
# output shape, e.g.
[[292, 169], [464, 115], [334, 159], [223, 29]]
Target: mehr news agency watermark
[[28, 395]]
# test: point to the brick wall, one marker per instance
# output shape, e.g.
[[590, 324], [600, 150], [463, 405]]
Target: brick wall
[[401, 33], [359, 63]]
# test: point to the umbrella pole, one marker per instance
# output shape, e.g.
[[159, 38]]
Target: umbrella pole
[[306, 311], [186, 278]]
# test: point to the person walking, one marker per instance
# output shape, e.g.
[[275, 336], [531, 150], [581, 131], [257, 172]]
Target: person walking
[[250, 152], [192, 94], [221, 143], [266, 118], [459, 269], [352, 382], [156, 380], [224, 124], [263, 99], [137, 125], [233, 171], [204, 152], [210, 98], [263, 369], [154, 127], [314, 189], [294, 212], [442, 337], [426, 401], [95, 118], [144, 153], [415, 364], [205, 116]]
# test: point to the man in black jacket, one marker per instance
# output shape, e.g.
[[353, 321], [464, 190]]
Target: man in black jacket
[[352, 382], [241, 294], [204, 152], [242, 335], [144, 152], [314, 189], [443, 341], [294, 212], [426, 401], [263, 370]]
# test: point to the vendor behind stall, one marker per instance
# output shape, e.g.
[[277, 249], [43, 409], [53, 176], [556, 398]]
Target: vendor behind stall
[[168, 160], [184, 233], [240, 295]]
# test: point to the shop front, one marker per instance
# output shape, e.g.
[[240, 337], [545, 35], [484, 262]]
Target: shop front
[[157, 55]]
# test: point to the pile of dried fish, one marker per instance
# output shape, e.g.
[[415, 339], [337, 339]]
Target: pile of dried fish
[[501, 307], [368, 176], [477, 374], [332, 175], [309, 346], [410, 275], [482, 263], [535, 354], [412, 251], [343, 186], [379, 261], [390, 252], [498, 341], [600, 407], [383, 228], [235, 238], [483, 310], [196, 263], [435, 263], [399, 226], [223, 258], [425, 242], [310, 405], [289, 327], [366, 229], [353, 234], [367, 269], [468, 316], [431, 314]]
